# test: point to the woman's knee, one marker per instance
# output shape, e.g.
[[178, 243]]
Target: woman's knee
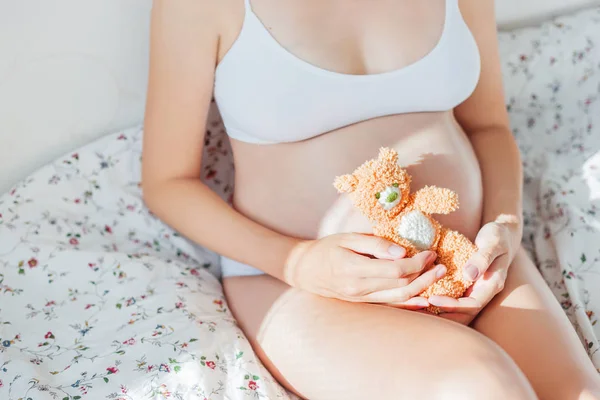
[[381, 352], [458, 363], [476, 368]]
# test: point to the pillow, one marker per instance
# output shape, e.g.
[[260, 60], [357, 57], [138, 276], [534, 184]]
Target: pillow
[[517, 13]]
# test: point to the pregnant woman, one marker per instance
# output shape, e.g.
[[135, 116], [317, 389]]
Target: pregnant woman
[[308, 90]]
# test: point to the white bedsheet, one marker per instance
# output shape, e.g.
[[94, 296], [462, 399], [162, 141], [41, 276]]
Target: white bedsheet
[[100, 300]]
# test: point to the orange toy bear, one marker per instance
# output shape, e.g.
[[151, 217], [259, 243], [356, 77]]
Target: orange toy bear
[[381, 190]]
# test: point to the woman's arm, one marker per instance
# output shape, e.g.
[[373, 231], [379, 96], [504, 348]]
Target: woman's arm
[[485, 120], [183, 56]]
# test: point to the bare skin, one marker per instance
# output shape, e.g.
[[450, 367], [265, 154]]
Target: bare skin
[[368, 343], [469, 150]]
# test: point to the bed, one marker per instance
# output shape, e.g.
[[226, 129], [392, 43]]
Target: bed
[[101, 300]]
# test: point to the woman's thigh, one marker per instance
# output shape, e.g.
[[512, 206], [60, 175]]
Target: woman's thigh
[[527, 321], [328, 349]]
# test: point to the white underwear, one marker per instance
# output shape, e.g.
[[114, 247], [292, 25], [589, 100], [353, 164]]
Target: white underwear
[[231, 267]]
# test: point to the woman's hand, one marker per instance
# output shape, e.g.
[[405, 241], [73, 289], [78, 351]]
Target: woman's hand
[[497, 243], [362, 268]]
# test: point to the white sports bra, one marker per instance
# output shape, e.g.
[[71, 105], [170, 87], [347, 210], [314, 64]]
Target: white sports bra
[[266, 94]]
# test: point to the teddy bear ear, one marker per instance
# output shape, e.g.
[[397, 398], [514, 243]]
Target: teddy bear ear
[[387, 155], [405, 176], [345, 183]]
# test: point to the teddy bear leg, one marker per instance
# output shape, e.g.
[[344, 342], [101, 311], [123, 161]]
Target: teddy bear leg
[[453, 250]]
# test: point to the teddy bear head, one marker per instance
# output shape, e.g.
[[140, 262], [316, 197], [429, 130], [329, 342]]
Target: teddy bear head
[[380, 188]]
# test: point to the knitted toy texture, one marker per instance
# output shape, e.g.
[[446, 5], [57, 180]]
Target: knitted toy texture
[[380, 189]]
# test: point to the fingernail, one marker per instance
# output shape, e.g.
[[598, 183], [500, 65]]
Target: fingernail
[[433, 300], [471, 272], [431, 257], [421, 302], [396, 251], [441, 271]]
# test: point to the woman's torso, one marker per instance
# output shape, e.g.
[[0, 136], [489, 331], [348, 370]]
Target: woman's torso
[[287, 186]]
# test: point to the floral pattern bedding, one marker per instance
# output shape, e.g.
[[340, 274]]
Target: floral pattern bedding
[[100, 300], [552, 80]]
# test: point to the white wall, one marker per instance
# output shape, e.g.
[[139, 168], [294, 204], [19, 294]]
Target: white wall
[[70, 71]]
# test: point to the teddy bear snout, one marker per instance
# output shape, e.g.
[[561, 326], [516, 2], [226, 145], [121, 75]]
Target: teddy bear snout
[[389, 197]]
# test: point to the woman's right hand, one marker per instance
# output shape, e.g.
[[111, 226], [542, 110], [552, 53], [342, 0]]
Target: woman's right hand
[[362, 268]]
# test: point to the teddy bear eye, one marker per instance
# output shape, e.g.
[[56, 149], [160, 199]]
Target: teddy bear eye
[[392, 197], [377, 195]]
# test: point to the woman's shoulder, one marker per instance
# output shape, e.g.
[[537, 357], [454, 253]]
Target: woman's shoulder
[[221, 19], [205, 13]]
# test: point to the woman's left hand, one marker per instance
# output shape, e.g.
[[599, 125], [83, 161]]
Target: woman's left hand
[[497, 245]]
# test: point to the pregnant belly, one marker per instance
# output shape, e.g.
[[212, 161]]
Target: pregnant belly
[[288, 187]]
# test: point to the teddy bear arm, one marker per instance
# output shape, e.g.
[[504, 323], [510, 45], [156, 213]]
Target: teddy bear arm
[[434, 200]]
